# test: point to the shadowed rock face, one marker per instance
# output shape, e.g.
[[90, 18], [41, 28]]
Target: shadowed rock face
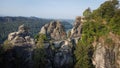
[[62, 56], [76, 30], [54, 30], [21, 52]]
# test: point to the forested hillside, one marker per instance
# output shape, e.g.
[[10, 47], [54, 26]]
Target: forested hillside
[[92, 42], [100, 37], [10, 24]]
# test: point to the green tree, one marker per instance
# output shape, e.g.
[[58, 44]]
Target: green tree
[[87, 13], [83, 54], [39, 56], [114, 23], [106, 10]]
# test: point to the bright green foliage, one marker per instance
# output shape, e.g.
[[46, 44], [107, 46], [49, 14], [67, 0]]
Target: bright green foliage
[[115, 23], [39, 53], [91, 31], [106, 10], [41, 38], [87, 13], [83, 54], [103, 20]]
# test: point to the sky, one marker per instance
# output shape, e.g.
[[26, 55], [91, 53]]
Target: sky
[[55, 9]]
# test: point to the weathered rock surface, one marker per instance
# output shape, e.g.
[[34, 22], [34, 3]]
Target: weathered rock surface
[[59, 50], [54, 30], [76, 30], [107, 55], [21, 37], [62, 55], [22, 49]]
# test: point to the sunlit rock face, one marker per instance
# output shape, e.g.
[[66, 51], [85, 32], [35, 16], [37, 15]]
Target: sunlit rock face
[[20, 37], [54, 30], [107, 52], [62, 56], [76, 30], [22, 48]]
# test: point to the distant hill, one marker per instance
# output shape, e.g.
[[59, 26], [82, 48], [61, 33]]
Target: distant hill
[[10, 24]]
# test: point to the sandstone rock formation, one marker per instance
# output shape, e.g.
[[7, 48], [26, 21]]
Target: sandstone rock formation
[[59, 52], [22, 48], [76, 30], [107, 52], [62, 55], [54, 30], [21, 37]]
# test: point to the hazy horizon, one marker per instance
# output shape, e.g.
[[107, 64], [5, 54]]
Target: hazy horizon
[[53, 9]]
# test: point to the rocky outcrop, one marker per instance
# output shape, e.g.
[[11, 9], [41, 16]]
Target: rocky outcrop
[[76, 30], [62, 54], [22, 48], [54, 30], [107, 52], [21, 37]]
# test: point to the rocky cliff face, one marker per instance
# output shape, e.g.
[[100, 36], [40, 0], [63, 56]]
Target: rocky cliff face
[[21, 37], [54, 30], [62, 56], [76, 30], [59, 51], [22, 47], [107, 52]]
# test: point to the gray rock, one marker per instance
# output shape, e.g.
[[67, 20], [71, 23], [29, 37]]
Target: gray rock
[[106, 57], [63, 60], [76, 30], [46, 45], [11, 36], [54, 30], [21, 37], [58, 44], [22, 48], [43, 30]]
